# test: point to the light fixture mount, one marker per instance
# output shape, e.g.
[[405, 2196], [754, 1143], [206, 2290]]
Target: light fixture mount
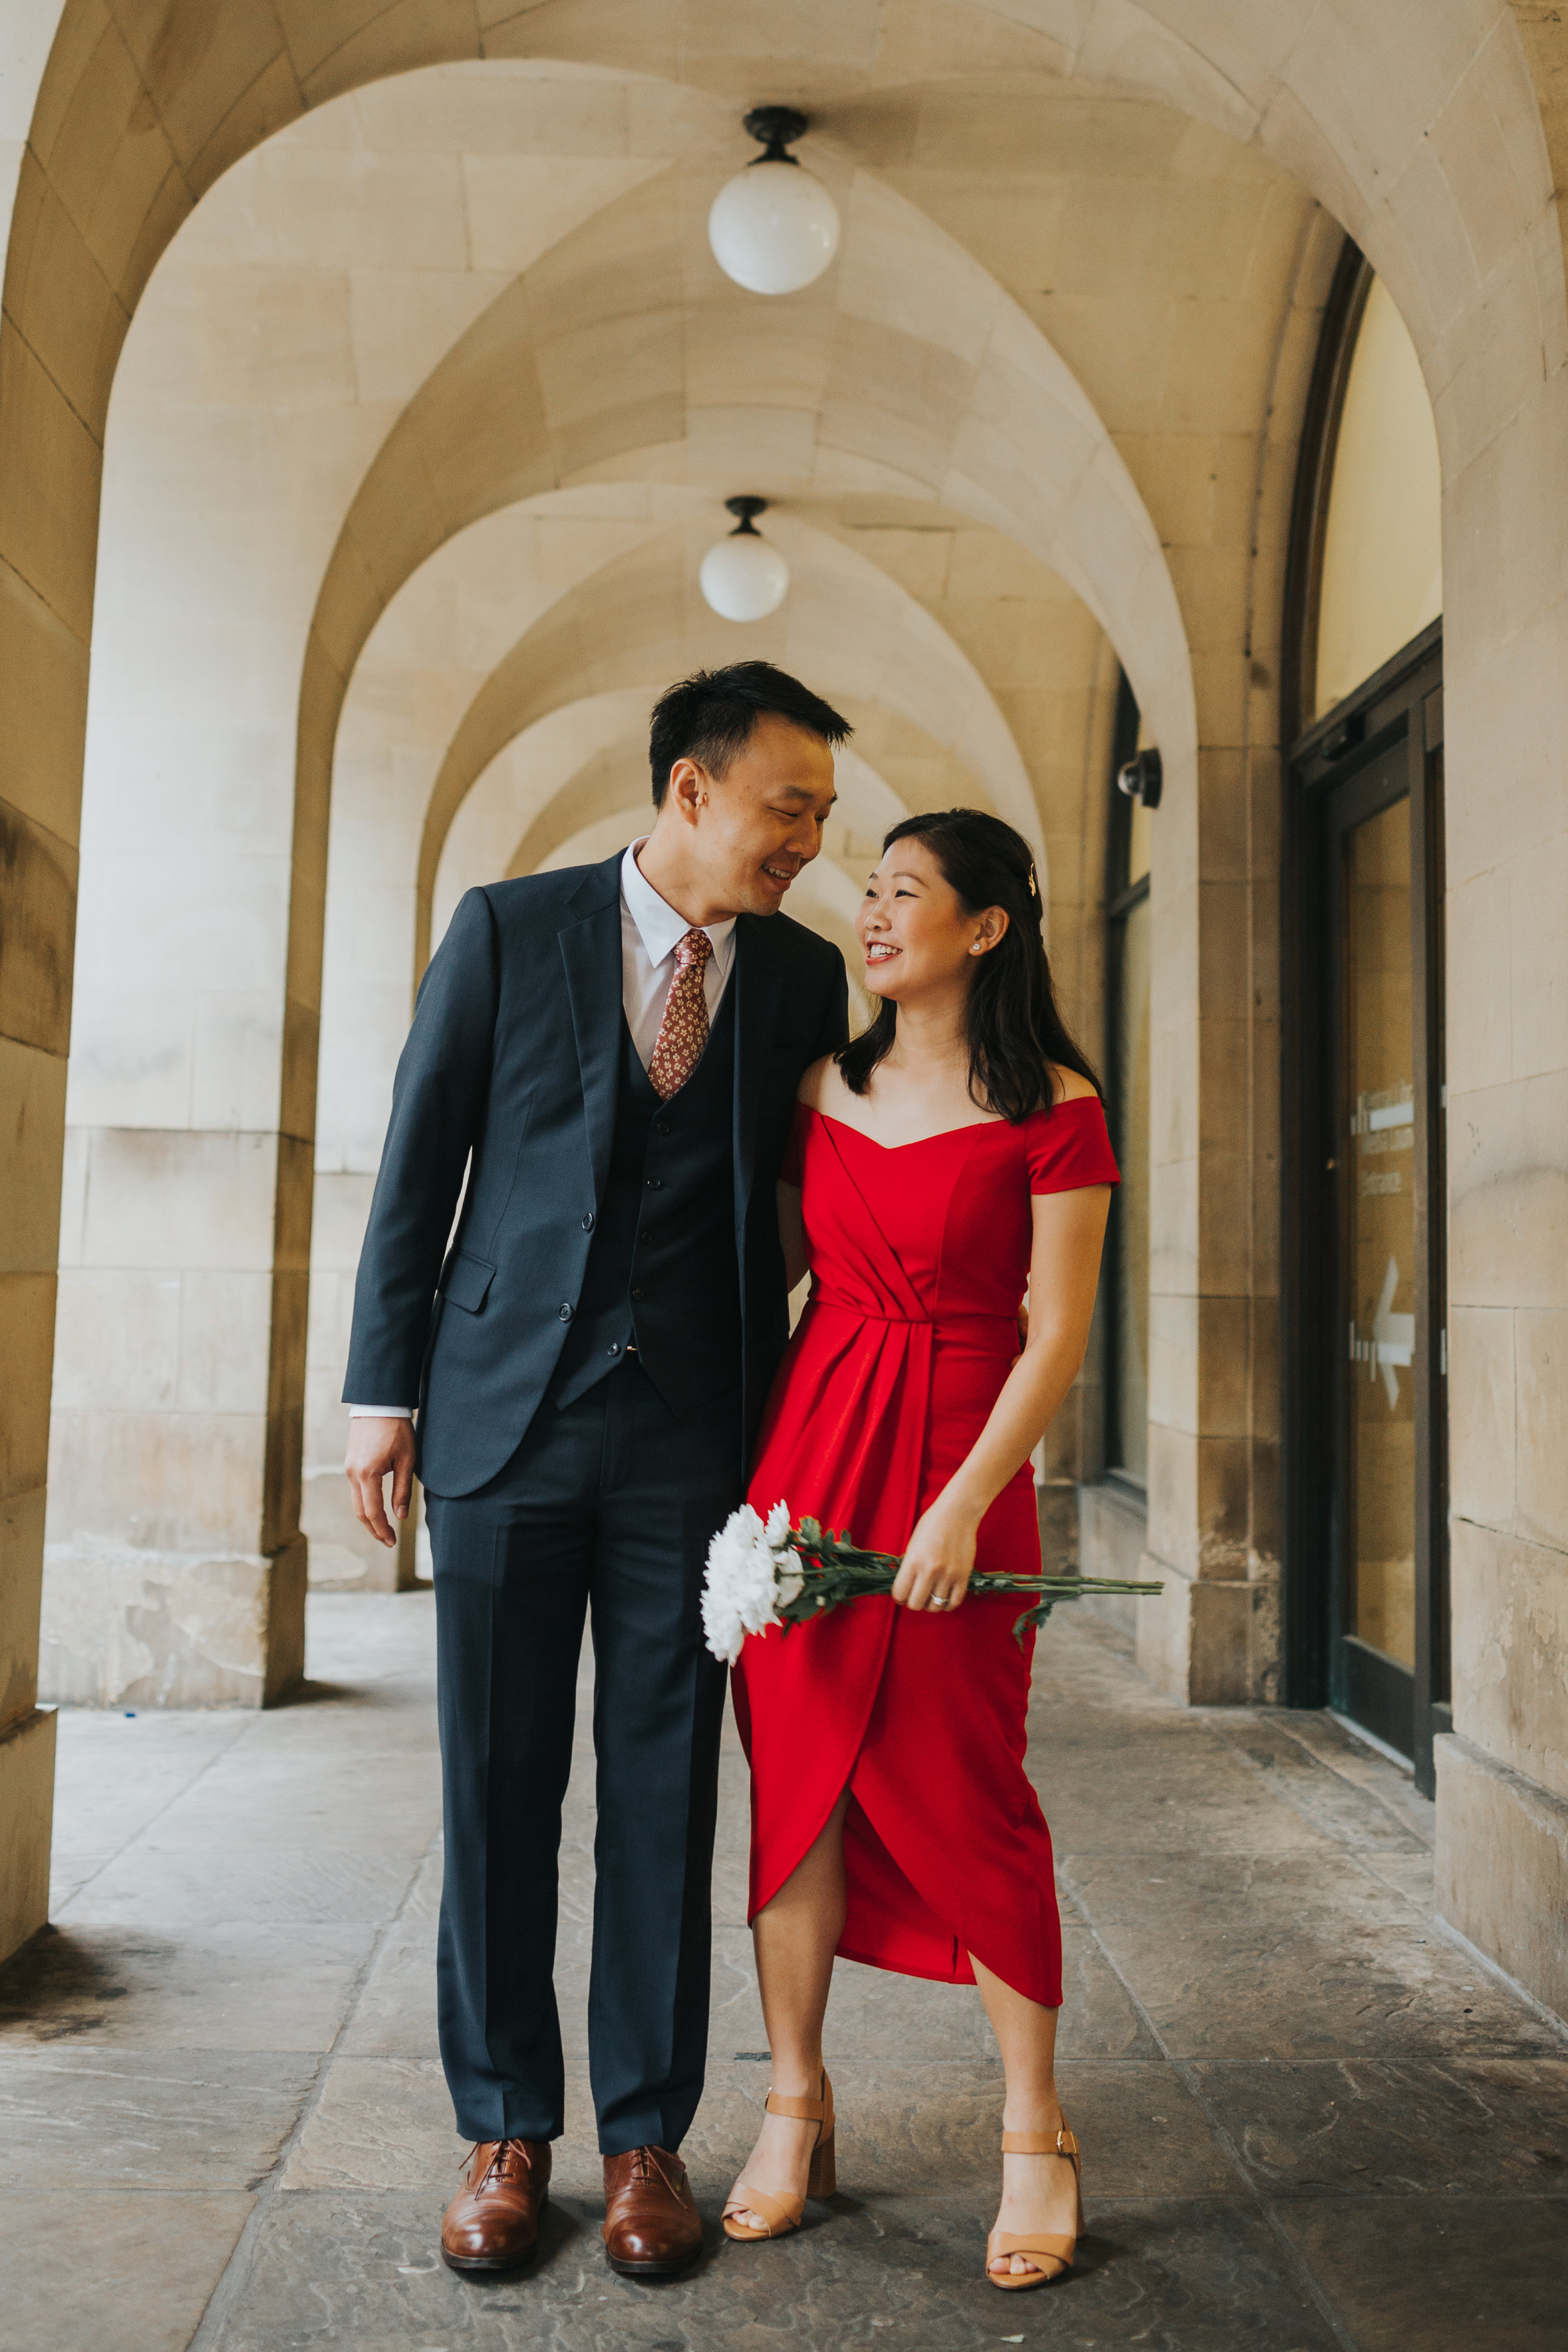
[[776, 128], [747, 508]]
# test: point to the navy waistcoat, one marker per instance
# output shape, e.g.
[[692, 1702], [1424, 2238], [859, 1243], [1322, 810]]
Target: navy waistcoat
[[662, 1273]]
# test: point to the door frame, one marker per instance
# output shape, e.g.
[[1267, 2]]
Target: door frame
[[1400, 705], [1121, 898]]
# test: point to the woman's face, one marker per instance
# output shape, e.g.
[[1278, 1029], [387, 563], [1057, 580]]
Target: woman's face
[[914, 932]]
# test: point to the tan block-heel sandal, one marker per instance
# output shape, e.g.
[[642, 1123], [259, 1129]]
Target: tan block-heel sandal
[[784, 2214], [1041, 2246]]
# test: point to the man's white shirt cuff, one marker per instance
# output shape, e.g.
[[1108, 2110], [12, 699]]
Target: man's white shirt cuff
[[381, 1412]]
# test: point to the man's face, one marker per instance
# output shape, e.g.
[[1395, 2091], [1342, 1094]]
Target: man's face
[[759, 822]]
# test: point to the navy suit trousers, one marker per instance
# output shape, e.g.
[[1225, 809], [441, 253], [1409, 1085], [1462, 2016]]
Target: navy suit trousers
[[605, 1511]]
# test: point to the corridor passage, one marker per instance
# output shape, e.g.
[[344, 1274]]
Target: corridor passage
[[1310, 2119]]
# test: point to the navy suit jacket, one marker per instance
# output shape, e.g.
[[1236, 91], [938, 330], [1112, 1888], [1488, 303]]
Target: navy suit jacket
[[509, 1075]]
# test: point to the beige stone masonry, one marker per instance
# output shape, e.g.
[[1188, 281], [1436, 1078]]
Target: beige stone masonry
[[1502, 1867], [1099, 356]]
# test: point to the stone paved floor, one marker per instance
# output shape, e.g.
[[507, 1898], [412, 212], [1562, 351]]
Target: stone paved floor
[[1310, 2119]]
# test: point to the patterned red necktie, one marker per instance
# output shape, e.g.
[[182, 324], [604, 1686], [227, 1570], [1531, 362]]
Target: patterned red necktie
[[683, 1031]]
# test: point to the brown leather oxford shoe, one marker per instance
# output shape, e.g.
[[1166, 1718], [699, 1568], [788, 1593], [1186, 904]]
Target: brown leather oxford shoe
[[492, 2223], [652, 2227]]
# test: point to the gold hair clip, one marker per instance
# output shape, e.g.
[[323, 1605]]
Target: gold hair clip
[[1033, 890]]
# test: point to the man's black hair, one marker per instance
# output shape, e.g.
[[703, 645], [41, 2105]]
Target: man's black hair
[[710, 716]]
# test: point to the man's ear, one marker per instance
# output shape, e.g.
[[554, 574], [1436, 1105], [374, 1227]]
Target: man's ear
[[688, 790]]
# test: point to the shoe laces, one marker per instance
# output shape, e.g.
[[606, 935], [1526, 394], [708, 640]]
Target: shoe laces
[[645, 2161], [504, 2159]]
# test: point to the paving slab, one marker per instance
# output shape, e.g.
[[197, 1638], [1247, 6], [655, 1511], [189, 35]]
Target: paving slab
[[1439, 2273], [1291, 1956], [254, 1987], [895, 2271], [119, 2271], [1354, 2125], [88, 2120]]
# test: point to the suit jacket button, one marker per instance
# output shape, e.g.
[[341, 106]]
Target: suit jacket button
[[566, 1310], [615, 1347], [589, 1223]]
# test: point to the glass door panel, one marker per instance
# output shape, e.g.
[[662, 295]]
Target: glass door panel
[[1365, 1357], [1128, 1420], [1381, 1253]]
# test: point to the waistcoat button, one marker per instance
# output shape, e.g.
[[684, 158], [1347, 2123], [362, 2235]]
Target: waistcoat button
[[589, 1223], [615, 1347], [566, 1310], [636, 1293], [654, 1183], [661, 1126]]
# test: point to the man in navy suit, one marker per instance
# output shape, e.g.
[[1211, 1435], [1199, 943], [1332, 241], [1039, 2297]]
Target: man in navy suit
[[609, 1055]]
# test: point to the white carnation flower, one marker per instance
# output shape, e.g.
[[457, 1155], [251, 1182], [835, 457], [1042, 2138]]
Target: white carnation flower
[[778, 1526], [740, 1590]]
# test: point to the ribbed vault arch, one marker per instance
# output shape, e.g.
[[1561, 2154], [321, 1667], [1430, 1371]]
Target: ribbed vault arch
[[642, 620]]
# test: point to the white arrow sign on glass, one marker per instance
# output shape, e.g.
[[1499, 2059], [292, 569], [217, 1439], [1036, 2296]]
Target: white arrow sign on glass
[[1393, 1336], [1393, 1339]]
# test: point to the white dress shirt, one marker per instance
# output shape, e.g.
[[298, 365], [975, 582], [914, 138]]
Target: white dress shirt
[[650, 932]]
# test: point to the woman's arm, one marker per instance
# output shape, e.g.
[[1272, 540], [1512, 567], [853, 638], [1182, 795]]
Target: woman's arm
[[792, 1233], [1064, 1274]]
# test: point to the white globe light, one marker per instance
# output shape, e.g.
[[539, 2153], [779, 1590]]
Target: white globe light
[[773, 228], [742, 578]]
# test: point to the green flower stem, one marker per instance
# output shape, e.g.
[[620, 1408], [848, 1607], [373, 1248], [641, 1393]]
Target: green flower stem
[[836, 1570]]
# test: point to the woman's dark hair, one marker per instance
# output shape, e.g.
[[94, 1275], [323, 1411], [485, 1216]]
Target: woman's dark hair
[[1015, 1029]]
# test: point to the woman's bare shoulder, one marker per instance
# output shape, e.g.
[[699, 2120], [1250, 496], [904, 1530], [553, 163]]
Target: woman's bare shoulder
[[1067, 1085], [819, 1083]]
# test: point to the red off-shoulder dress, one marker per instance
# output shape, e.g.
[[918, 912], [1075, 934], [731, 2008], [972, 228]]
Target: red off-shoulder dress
[[920, 1254]]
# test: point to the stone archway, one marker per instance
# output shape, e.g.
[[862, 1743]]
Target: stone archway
[[1439, 168]]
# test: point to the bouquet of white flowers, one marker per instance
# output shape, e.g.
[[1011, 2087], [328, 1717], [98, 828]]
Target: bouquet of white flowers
[[770, 1572]]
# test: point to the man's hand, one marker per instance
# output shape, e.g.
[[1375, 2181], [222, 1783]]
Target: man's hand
[[377, 1446]]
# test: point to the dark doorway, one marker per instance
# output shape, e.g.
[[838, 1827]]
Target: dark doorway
[[1365, 1342]]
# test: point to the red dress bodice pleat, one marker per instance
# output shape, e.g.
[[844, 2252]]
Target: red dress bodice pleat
[[920, 1254]]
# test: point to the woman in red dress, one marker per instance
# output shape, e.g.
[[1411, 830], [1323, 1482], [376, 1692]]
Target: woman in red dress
[[952, 1154]]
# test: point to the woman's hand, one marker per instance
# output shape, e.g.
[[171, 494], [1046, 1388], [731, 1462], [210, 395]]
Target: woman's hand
[[940, 1558]]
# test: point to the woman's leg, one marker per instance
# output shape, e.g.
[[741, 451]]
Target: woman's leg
[[795, 1936], [1038, 2192]]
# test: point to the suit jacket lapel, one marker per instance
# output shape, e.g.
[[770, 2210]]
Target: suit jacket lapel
[[756, 984], [591, 950]]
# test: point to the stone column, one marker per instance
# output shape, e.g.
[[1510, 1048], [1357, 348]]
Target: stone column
[[175, 1564], [34, 1015], [1213, 1636], [1502, 1776]]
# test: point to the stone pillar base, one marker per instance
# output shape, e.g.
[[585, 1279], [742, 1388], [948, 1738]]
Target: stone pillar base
[[1209, 1641], [343, 1557], [1112, 1535], [123, 1627], [1502, 1867], [26, 1817]]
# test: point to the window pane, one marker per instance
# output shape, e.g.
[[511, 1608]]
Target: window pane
[[1382, 544], [1381, 1118]]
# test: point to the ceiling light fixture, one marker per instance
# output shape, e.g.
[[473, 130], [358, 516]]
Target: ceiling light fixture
[[773, 228], [742, 578]]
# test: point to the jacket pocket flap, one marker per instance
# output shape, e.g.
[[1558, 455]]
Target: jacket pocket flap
[[466, 1280]]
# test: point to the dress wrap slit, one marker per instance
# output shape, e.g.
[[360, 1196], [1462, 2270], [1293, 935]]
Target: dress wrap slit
[[920, 1256]]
